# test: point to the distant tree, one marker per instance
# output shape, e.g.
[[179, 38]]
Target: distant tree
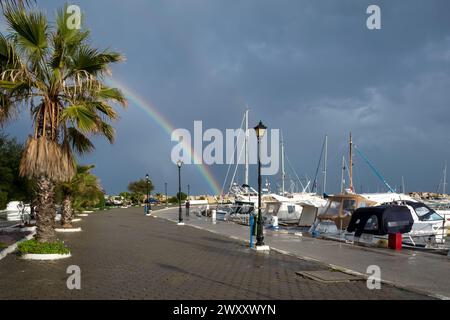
[[125, 195], [134, 198], [140, 187], [183, 196], [174, 199]]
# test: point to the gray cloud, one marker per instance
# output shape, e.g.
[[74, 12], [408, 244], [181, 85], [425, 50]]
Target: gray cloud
[[308, 67]]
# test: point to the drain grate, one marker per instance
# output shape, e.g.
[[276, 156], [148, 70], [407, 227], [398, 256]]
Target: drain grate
[[328, 276]]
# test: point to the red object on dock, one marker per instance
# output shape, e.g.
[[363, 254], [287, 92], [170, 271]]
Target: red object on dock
[[395, 241]]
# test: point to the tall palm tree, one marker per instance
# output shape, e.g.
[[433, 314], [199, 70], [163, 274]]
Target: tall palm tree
[[54, 73]]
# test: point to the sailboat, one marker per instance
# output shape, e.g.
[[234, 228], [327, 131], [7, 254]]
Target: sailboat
[[299, 208], [428, 225], [242, 199]]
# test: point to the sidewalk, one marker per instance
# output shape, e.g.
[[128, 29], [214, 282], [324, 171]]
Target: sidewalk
[[420, 271], [123, 254]]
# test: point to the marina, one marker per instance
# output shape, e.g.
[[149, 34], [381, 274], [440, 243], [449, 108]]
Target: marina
[[219, 158]]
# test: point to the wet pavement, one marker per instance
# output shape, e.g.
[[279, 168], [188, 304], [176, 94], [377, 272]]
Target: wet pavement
[[417, 270], [123, 254]]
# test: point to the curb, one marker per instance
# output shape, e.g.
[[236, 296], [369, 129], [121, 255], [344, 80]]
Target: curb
[[48, 256], [13, 247], [68, 229]]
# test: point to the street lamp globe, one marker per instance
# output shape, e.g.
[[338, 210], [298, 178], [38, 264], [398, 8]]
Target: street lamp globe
[[260, 129], [179, 163]]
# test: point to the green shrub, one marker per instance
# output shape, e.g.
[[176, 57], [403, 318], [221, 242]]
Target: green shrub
[[33, 246], [3, 245], [3, 200]]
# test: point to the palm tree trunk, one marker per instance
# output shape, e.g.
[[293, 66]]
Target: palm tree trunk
[[45, 211], [67, 212]]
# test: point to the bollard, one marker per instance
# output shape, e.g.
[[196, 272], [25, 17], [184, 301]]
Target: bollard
[[213, 215], [251, 230], [395, 241], [275, 223]]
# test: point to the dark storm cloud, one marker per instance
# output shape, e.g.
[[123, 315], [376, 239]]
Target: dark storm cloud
[[307, 67]]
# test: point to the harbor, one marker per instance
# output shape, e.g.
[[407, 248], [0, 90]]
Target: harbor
[[212, 157]]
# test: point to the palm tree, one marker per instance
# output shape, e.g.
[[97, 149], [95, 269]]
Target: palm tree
[[81, 192], [54, 73]]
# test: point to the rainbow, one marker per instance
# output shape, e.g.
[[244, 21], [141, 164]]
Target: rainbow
[[150, 109]]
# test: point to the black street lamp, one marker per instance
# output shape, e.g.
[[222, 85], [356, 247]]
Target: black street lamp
[[180, 217], [149, 208], [260, 130], [165, 187], [188, 203]]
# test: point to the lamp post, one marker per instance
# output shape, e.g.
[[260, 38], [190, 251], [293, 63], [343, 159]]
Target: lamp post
[[180, 217], [260, 130], [165, 188], [149, 208], [188, 203]]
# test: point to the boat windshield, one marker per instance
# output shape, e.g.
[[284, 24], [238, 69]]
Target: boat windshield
[[272, 208], [426, 214], [333, 208], [348, 206]]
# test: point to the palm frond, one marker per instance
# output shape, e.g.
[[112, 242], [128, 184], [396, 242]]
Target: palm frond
[[79, 142], [108, 131], [112, 94], [85, 119], [93, 61], [30, 31]]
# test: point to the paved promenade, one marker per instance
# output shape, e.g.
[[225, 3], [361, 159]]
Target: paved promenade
[[422, 271], [126, 255]]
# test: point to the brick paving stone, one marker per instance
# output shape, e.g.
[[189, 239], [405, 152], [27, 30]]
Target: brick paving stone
[[125, 255]]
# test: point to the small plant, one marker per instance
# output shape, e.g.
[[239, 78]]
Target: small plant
[[3, 245], [35, 247]]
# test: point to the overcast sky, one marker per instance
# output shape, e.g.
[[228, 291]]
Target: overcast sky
[[307, 67]]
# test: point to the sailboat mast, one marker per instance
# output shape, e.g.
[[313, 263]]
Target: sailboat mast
[[283, 172], [342, 174], [445, 178], [246, 148], [350, 165], [325, 165], [403, 185]]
